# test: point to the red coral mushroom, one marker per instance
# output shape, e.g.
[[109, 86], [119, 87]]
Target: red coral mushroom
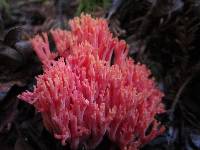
[[82, 97]]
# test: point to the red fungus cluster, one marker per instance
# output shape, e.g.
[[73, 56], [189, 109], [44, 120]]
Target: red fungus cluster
[[82, 97]]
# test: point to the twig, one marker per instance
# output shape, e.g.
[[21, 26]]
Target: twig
[[178, 96]]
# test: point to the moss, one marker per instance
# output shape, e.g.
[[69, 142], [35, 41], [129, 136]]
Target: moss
[[92, 5]]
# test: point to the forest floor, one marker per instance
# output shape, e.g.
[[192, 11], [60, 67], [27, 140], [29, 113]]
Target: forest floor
[[163, 34]]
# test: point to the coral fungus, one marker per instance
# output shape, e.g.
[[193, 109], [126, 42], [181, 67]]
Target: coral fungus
[[84, 95]]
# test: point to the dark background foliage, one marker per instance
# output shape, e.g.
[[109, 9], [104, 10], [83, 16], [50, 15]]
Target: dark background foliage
[[163, 34]]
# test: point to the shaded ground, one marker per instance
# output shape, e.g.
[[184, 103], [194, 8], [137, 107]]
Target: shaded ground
[[164, 34]]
